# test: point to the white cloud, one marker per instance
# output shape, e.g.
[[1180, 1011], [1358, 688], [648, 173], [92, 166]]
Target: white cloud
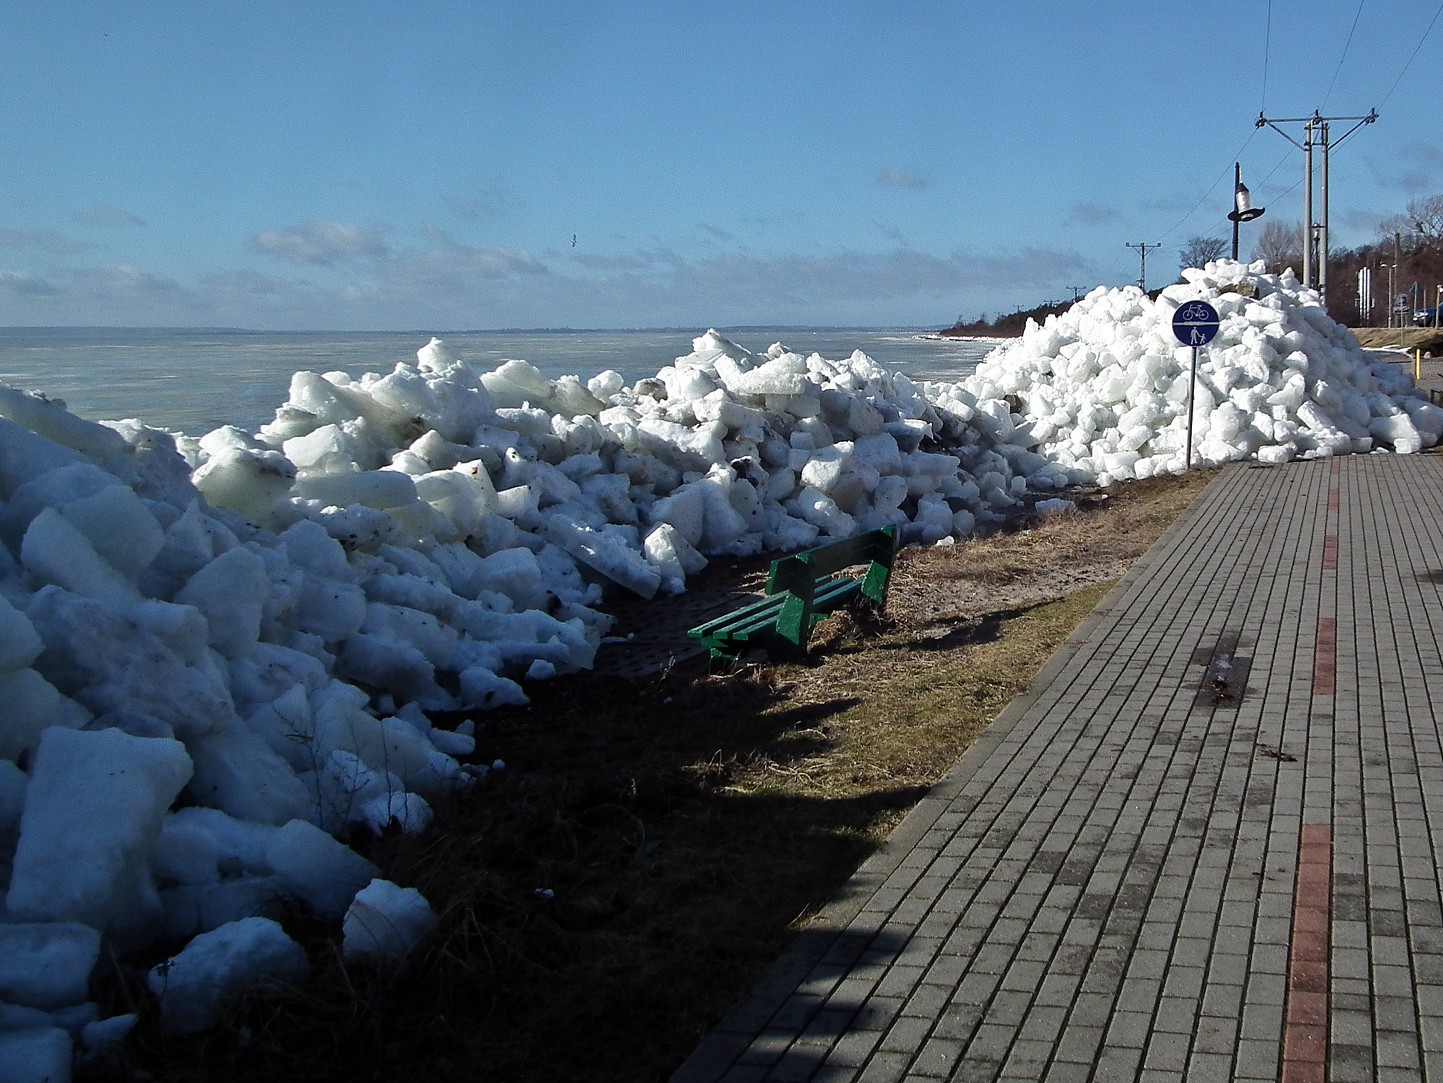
[[320, 243], [489, 200], [43, 240], [18, 284], [109, 216], [1092, 214], [450, 256], [897, 178], [444, 284], [891, 233]]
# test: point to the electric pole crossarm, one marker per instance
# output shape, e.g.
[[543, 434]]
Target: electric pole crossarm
[[1143, 248], [1272, 121], [1263, 122], [1369, 119], [1315, 232]]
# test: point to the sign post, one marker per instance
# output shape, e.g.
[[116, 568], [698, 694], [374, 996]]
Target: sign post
[[1195, 324]]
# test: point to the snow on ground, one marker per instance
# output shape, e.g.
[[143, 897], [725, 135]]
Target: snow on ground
[[218, 654]]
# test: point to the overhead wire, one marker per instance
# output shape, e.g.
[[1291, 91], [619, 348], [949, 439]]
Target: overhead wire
[[1211, 188], [1404, 70], [1215, 233], [1267, 48], [1333, 82], [1267, 58], [1267, 51]]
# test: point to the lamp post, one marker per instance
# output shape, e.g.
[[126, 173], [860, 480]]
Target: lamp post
[[1243, 209]]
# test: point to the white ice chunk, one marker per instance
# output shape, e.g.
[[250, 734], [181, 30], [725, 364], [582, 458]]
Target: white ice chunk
[[47, 965], [238, 773], [514, 384], [109, 663], [230, 592], [372, 488], [35, 1055], [93, 809], [19, 644], [53, 551], [604, 553], [31, 705], [381, 662], [217, 968], [317, 869], [248, 481], [119, 527], [384, 922]]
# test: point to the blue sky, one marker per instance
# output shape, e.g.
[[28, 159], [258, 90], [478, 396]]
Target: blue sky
[[425, 165]]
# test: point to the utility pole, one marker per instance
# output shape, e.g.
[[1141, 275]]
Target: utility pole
[[1315, 234], [1076, 292], [1142, 248], [1392, 272]]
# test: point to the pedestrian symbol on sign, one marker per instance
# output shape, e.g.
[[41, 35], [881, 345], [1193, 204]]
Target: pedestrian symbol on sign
[[1195, 323]]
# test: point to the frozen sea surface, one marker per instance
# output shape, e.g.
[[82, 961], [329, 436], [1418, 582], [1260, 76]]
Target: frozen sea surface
[[193, 381]]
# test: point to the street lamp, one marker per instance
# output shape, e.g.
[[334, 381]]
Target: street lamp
[[1243, 211]]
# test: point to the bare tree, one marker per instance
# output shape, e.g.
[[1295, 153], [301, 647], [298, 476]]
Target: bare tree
[[1200, 251], [1421, 226], [1280, 245]]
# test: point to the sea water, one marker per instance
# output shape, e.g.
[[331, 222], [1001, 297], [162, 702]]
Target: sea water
[[189, 380]]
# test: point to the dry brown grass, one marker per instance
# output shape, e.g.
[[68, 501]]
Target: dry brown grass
[[1427, 339], [686, 825]]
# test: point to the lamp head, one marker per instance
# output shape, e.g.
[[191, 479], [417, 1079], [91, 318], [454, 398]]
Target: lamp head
[[1243, 201]]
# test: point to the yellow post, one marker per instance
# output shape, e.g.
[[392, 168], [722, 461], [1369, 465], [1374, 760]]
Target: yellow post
[[1417, 364]]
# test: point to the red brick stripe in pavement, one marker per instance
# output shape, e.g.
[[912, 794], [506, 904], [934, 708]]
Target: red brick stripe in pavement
[[1325, 657], [1305, 1033]]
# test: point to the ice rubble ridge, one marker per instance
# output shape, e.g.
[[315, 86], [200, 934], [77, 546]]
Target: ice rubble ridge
[[217, 654], [1102, 388]]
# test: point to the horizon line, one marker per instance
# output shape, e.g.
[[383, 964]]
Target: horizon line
[[673, 329]]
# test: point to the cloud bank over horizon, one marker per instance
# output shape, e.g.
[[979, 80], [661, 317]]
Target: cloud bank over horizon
[[329, 274]]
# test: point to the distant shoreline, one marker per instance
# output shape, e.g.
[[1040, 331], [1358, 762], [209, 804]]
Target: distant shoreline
[[998, 336]]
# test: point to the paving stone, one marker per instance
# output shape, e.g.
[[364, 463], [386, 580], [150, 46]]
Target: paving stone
[[1104, 887]]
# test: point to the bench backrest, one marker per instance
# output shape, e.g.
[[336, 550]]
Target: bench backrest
[[878, 548]]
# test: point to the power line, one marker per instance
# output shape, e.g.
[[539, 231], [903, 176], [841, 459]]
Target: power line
[[1267, 45], [1404, 70], [1212, 188], [1347, 43]]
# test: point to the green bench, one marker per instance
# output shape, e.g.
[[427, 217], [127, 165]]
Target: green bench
[[802, 590]]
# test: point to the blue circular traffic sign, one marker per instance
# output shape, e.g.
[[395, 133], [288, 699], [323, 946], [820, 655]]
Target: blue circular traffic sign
[[1195, 323]]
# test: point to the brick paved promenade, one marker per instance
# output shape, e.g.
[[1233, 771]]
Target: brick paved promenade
[[1203, 847]]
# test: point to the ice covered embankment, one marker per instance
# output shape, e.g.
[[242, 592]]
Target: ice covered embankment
[[521, 493], [200, 694], [226, 684], [172, 759], [1103, 387]]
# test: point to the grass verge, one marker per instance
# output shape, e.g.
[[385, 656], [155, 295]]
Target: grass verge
[[651, 847]]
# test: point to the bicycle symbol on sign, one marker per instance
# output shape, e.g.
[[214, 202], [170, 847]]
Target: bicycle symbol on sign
[[1197, 313]]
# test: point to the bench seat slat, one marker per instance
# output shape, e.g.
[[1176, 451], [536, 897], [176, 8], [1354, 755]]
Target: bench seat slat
[[764, 609]]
